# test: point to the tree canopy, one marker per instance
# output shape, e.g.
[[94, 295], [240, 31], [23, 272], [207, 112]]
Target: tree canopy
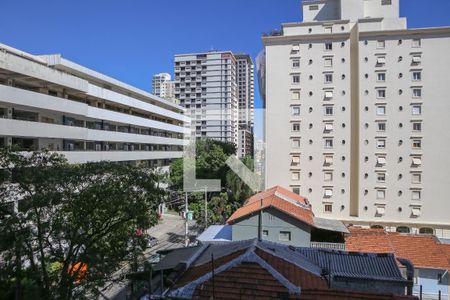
[[66, 229]]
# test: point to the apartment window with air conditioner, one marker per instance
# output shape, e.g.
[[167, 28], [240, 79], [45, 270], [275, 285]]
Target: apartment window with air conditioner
[[416, 110], [295, 127], [381, 110], [381, 77], [416, 76], [416, 195], [328, 78], [416, 43], [417, 93], [381, 93], [381, 126], [328, 110], [381, 194], [296, 79], [296, 95], [416, 144], [416, 178], [381, 177], [381, 44], [328, 46], [328, 62], [381, 144], [295, 63], [328, 176], [329, 143], [295, 176], [417, 126], [295, 110]]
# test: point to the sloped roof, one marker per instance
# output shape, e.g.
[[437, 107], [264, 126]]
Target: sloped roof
[[278, 198], [216, 233], [424, 251], [255, 269]]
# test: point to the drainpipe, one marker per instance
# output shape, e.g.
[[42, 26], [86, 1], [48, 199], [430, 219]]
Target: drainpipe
[[409, 274], [260, 221]]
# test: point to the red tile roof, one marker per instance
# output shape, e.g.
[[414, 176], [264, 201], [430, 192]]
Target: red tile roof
[[296, 206], [424, 251]]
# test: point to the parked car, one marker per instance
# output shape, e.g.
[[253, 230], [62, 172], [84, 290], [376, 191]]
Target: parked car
[[152, 241]]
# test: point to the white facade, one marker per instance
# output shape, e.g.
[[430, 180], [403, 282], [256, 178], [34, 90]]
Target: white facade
[[356, 114], [163, 86], [205, 84], [246, 103], [48, 102]]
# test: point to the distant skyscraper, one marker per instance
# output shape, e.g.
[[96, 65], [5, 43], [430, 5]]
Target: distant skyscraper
[[163, 86], [205, 84], [246, 100]]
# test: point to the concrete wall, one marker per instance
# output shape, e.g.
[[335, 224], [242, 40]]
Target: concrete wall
[[428, 279], [274, 221], [382, 287]]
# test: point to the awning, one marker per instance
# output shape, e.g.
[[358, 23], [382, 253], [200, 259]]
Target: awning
[[328, 160], [328, 95], [381, 60], [416, 59], [328, 127], [416, 161], [296, 159], [415, 211], [381, 160]]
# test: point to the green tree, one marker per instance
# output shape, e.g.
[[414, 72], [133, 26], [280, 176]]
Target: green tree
[[239, 190], [68, 217]]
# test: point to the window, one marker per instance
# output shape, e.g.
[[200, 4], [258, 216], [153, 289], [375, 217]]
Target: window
[[328, 208], [381, 126], [285, 236], [295, 160], [265, 233], [313, 7], [328, 29], [328, 110], [328, 176], [417, 93], [295, 176], [296, 143], [381, 93], [416, 59], [328, 78], [381, 177], [417, 126], [295, 127], [381, 60], [328, 193], [381, 160], [381, 194], [296, 190], [381, 77], [380, 210], [386, 2], [295, 49], [417, 76], [296, 63], [427, 230], [381, 110], [416, 195], [295, 110], [328, 95], [328, 46], [328, 62], [295, 95], [328, 161], [380, 44], [328, 127], [328, 143], [416, 178], [416, 161], [381, 144], [403, 229], [416, 43], [416, 110], [296, 79], [416, 144]]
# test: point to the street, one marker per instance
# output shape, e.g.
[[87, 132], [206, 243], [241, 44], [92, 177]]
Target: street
[[170, 234]]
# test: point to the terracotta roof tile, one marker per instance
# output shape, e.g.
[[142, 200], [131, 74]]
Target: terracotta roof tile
[[424, 251], [269, 198]]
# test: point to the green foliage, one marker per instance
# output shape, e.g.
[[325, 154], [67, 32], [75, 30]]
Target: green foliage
[[69, 214]]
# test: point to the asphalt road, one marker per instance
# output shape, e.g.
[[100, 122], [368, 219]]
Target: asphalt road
[[170, 234]]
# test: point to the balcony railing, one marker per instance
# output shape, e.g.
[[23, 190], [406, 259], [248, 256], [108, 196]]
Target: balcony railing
[[331, 246]]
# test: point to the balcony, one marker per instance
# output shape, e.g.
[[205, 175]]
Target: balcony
[[330, 246]]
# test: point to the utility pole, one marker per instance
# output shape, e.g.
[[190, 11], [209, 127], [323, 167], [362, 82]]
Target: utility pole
[[186, 225], [206, 207]]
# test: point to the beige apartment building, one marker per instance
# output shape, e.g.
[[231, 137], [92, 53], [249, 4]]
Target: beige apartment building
[[356, 116]]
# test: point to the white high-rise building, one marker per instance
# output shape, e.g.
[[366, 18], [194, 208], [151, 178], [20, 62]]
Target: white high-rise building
[[246, 103], [49, 102], [357, 115], [205, 84], [163, 86]]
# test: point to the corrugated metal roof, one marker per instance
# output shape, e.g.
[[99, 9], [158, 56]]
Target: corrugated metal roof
[[176, 257], [355, 264], [216, 233], [331, 225]]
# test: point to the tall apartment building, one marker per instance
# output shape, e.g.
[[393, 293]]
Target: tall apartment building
[[163, 86], [49, 102], [246, 104], [357, 115], [208, 86]]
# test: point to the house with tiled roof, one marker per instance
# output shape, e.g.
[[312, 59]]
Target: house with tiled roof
[[278, 215], [255, 269], [429, 256]]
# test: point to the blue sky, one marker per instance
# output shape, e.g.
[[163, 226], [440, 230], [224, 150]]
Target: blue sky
[[132, 39]]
